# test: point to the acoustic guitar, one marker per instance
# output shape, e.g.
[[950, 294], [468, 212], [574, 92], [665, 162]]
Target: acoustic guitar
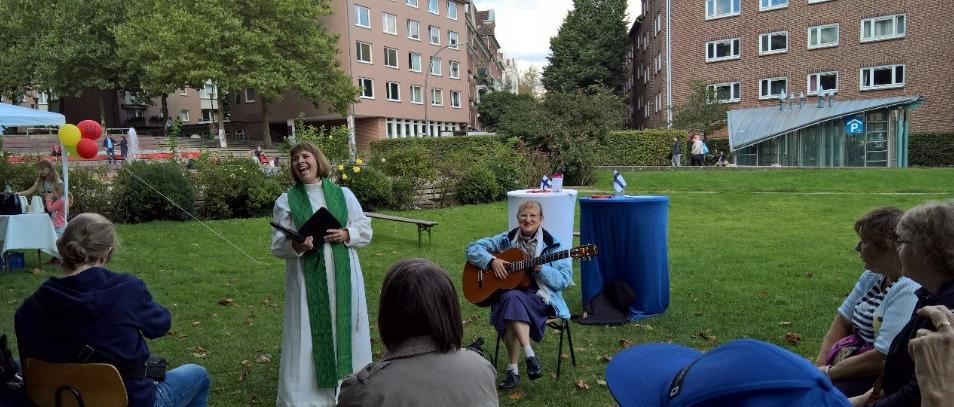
[[482, 287]]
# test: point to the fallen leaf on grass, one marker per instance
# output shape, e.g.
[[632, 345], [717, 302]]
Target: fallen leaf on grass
[[580, 384], [604, 358], [707, 335], [243, 374], [200, 352], [517, 395], [698, 313], [264, 358], [35, 271], [601, 382], [195, 323], [763, 294], [472, 318], [225, 302], [809, 274], [793, 338], [625, 343], [246, 363], [785, 323]]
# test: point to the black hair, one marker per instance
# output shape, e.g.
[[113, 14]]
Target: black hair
[[418, 299]]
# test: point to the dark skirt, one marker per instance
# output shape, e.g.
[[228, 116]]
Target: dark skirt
[[520, 305]]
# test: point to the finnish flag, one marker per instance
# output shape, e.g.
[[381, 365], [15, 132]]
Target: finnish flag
[[618, 182], [545, 182]]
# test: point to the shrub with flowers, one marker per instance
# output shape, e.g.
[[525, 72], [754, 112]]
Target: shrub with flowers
[[333, 141], [370, 186]]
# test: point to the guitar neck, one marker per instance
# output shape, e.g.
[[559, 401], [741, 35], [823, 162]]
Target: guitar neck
[[531, 263]]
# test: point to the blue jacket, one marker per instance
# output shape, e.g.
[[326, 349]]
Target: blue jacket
[[99, 308], [557, 275]]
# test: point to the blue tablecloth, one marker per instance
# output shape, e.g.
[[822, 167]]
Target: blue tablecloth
[[631, 233]]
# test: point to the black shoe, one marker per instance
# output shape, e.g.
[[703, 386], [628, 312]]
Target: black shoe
[[509, 382], [534, 371]]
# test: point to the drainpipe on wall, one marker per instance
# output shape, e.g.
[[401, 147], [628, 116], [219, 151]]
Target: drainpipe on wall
[[668, 64], [352, 143]]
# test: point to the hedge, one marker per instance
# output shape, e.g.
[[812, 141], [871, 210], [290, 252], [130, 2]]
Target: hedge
[[931, 149], [640, 147], [438, 146]]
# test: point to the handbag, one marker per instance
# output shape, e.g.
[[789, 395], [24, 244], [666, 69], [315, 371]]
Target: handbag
[[847, 347]]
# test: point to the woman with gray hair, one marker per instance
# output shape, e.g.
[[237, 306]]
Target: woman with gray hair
[[926, 248]]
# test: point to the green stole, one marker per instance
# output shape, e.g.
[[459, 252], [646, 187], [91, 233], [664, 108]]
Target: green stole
[[329, 366]]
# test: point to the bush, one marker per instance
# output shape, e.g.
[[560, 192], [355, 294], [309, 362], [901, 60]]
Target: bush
[[477, 185], [642, 147], [931, 149], [437, 147], [143, 193], [369, 185], [19, 176], [402, 193], [333, 141], [91, 192], [414, 163], [237, 187]]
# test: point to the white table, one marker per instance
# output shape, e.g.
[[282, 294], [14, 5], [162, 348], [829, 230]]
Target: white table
[[559, 209], [28, 231]]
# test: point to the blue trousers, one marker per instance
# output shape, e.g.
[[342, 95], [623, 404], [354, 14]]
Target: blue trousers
[[185, 386]]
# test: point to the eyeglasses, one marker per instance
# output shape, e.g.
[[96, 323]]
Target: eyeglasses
[[528, 216]]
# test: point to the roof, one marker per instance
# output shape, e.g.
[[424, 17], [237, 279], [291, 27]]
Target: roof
[[12, 115], [752, 126]]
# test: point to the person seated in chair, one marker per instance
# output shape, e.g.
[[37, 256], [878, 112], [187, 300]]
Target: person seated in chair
[[90, 314], [420, 325], [521, 314]]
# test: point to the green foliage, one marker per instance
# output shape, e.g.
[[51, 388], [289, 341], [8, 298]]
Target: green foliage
[[590, 48], [529, 82], [716, 145], [91, 192], [477, 185], [437, 147], [698, 114], [931, 149], [369, 185], [413, 163], [494, 105], [402, 193], [19, 176], [237, 188], [333, 141], [639, 147], [142, 188]]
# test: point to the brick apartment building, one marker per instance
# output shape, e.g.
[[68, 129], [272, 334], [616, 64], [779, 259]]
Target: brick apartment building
[[751, 50]]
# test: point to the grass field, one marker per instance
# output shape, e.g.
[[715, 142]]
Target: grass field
[[753, 253]]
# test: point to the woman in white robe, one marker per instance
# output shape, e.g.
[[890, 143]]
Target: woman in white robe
[[297, 381]]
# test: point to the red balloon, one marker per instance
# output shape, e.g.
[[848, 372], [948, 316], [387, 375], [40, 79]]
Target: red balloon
[[87, 148], [90, 129]]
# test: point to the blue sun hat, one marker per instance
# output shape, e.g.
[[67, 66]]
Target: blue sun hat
[[741, 373]]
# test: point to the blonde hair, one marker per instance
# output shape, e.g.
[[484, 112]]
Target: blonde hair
[[324, 167], [527, 204], [87, 238], [929, 227], [50, 169]]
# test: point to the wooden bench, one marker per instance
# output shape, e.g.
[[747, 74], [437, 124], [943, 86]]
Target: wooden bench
[[422, 225]]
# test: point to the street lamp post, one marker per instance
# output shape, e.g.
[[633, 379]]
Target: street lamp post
[[427, 126]]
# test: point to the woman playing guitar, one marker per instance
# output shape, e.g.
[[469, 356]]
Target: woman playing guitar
[[520, 314]]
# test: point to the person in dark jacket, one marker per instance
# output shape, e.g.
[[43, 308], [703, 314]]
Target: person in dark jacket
[[90, 314], [675, 152]]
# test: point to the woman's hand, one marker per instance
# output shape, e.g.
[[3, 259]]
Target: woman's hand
[[303, 246], [860, 401], [337, 236], [500, 268], [933, 354]]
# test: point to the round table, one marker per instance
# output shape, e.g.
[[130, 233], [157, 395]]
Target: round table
[[559, 211], [632, 237]]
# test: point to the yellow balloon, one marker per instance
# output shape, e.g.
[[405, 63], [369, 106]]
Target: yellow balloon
[[72, 149], [70, 135]]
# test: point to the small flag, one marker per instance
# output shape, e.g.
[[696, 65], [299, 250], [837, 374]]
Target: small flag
[[618, 182], [545, 182]]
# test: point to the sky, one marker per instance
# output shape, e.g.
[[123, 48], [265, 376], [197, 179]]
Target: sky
[[524, 27]]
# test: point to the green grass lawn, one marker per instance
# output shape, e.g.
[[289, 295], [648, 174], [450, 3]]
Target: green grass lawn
[[762, 254]]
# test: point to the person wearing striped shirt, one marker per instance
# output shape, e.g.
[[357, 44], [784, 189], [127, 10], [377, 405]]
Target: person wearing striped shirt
[[878, 307]]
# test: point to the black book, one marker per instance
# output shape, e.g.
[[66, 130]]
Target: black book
[[316, 227]]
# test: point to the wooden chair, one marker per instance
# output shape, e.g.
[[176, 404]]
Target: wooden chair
[[560, 324], [73, 384]]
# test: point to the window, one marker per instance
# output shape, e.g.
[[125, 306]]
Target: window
[[645, 41], [207, 91], [364, 52], [435, 66], [455, 99], [658, 102], [883, 28], [822, 82], [435, 34], [646, 74], [451, 10], [823, 36], [722, 8], [183, 115], [658, 24], [413, 30], [362, 16], [727, 92], [432, 6], [765, 5], [389, 22], [249, 95], [773, 43], [390, 57], [43, 98], [412, 3], [882, 77], [208, 115], [454, 69], [452, 39], [414, 62], [658, 62], [723, 50], [437, 97], [184, 92], [417, 95], [394, 91], [771, 88], [367, 88]]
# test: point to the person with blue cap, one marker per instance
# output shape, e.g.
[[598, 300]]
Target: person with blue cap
[[740, 373]]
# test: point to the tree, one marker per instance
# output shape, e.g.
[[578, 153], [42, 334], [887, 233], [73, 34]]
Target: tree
[[700, 113], [494, 105], [590, 48], [16, 73], [271, 46], [529, 82]]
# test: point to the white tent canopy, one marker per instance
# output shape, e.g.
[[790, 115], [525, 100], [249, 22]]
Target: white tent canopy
[[12, 115]]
